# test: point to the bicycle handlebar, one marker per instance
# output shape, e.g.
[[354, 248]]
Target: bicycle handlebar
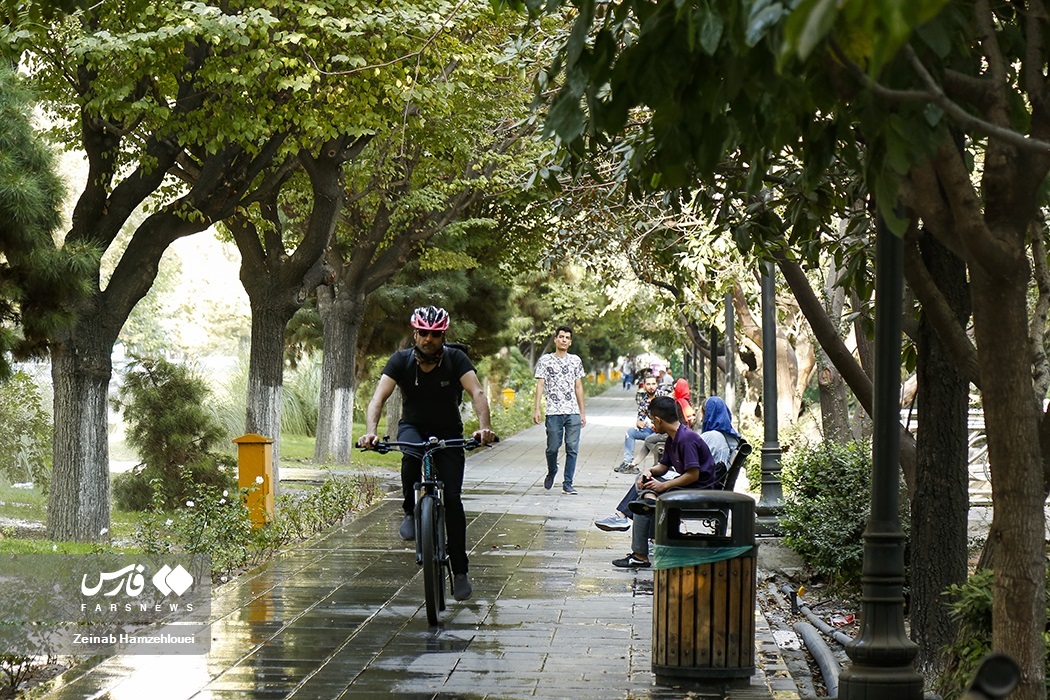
[[431, 445]]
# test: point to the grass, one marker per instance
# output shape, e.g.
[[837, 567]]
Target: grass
[[30, 505], [300, 448]]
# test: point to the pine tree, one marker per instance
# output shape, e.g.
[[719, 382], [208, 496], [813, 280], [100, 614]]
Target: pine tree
[[39, 283]]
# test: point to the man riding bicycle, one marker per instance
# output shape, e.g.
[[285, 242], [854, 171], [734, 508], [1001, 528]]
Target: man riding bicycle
[[432, 377]]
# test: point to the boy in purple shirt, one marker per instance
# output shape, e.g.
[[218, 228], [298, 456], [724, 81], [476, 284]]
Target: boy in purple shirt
[[687, 453]]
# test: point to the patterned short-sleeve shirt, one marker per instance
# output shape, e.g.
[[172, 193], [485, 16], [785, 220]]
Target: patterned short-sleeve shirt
[[559, 376]]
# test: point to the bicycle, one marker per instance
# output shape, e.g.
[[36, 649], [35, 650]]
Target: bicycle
[[429, 517]]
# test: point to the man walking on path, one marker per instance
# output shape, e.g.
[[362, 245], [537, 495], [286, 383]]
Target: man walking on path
[[559, 378]]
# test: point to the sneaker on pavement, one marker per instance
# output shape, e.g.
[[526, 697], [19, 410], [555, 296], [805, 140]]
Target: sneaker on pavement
[[408, 528], [549, 481], [631, 561], [570, 490], [627, 469], [461, 588], [614, 522]]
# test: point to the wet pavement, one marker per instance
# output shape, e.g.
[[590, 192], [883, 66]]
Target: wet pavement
[[342, 616]]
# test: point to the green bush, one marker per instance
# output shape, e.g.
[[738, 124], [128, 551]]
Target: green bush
[[211, 522], [827, 496], [217, 524], [971, 607], [174, 434], [508, 369], [299, 394], [25, 441]]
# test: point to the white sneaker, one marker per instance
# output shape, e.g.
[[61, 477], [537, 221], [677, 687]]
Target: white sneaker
[[615, 522]]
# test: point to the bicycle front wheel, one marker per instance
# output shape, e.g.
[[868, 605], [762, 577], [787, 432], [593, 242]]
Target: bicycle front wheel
[[432, 583]]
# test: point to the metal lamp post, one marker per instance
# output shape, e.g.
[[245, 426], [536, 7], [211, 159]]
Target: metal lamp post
[[769, 506], [730, 344], [882, 654]]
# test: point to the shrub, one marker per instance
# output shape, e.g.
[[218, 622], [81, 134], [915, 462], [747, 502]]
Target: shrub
[[508, 369], [210, 523], [827, 496], [25, 441], [218, 525], [174, 434], [971, 607]]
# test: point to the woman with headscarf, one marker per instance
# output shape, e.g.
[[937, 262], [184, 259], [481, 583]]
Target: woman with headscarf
[[716, 428], [683, 397]]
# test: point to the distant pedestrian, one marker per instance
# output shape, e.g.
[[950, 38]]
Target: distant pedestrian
[[628, 372], [559, 379]]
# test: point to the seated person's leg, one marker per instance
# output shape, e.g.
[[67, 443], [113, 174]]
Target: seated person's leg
[[632, 494], [638, 558], [618, 521], [654, 445]]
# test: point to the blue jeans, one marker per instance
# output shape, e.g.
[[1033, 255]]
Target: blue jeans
[[628, 442], [563, 426]]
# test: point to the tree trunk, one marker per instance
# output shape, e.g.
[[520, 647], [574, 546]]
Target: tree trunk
[[266, 378], [789, 402], [834, 408], [940, 503], [78, 505], [394, 409], [834, 411], [1018, 521], [342, 314]]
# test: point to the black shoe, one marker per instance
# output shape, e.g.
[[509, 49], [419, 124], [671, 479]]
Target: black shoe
[[408, 528], [631, 562], [643, 506], [461, 588], [549, 481], [569, 490]]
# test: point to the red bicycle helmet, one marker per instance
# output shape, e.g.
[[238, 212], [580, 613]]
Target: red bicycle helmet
[[430, 318]]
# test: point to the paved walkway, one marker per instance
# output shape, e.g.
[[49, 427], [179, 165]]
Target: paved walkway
[[342, 615]]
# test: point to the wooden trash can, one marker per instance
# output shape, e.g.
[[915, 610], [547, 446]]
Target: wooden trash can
[[704, 587]]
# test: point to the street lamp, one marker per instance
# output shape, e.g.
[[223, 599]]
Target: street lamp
[[882, 655], [772, 500], [730, 343]]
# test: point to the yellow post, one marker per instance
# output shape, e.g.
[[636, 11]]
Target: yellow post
[[255, 473], [508, 397]]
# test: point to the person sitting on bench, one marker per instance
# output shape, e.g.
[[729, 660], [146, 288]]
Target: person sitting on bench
[[690, 457], [717, 432]]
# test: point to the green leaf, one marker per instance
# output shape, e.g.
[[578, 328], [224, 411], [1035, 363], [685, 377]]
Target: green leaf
[[566, 117], [808, 24], [935, 35], [763, 16], [711, 32]]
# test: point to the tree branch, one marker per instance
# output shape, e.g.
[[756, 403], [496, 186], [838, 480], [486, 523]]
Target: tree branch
[[1035, 45], [935, 95]]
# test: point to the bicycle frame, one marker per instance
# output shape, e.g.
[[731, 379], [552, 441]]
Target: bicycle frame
[[429, 516]]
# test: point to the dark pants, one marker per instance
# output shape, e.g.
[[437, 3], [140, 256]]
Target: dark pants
[[449, 465]]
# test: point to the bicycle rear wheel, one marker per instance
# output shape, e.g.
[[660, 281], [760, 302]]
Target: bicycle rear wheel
[[432, 578]]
